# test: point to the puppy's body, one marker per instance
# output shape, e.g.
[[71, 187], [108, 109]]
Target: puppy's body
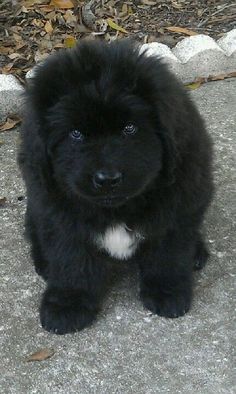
[[117, 163]]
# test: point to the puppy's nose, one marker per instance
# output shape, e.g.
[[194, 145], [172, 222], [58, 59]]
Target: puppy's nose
[[107, 179]]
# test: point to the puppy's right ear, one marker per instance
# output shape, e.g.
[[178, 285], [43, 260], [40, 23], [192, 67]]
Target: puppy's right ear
[[33, 157], [48, 82]]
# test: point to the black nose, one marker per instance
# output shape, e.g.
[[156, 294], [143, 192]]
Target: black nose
[[107, 179]]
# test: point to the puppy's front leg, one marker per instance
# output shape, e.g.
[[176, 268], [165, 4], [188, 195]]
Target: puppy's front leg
[[74, 289], [166, 275]]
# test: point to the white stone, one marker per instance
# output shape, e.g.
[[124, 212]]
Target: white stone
[[228, 43], [11, 97], [9, 82], [159, 50], [201, 56], [164, 53], [192, 46]]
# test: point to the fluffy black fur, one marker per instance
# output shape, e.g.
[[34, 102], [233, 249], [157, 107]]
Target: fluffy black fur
[[163, 186]]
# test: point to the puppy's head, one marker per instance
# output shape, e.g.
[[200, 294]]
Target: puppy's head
[[103, 116]]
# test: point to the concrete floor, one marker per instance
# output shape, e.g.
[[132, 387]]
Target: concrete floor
[[127, 350]]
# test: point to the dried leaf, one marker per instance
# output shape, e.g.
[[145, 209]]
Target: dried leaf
[[39, 57], [59, 45], [24, 9], [200, 79], [82, 29], [218, 77], [17, 37], [193, 86], [181, 30], [7, 68], [3, 201], [37, 23], [9, 124], [114, 26], [41, 355], [13, 56], [70, 42], [20, 45], [148, 2], [64, 4], [46, 8], [176, 5], [124, 9], [51, 16], [223, 76], [70, 18], [32, 3], [48, 27], [130, 11]]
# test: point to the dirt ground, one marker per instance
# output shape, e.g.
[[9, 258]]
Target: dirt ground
[[30, 30]]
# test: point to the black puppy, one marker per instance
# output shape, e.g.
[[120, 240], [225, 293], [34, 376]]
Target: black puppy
[[117, 163]]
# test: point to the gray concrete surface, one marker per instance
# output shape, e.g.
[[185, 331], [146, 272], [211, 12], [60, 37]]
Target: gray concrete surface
[[127, 350]]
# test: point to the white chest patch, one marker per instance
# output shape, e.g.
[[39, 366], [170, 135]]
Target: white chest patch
[[119, 241]]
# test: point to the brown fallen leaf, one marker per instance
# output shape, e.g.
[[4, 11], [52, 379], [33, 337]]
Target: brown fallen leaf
[[46, 8], [24, 9], [9, 124], [181, 30], [59, 45], [124, 10], [70, 18], [176, 5], [48, 27], [31, 3], [3, 201], [114, 26], [82, 29], [6, 69], [211, 78], [64, 4], [148, 2], [41, 355], [15, 55], [37, 23], [218, 77], [222, 76], [39, 57]]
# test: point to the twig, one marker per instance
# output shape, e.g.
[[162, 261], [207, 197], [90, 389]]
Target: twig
[[215, 13], [223, 18]]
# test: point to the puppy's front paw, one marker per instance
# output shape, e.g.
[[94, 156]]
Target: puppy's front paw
[[65, 311], [170, 304]]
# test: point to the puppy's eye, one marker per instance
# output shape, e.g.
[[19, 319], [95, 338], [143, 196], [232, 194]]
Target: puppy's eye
[[77, 135], [130, 129]]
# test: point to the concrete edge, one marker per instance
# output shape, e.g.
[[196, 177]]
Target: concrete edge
[[193, 57]]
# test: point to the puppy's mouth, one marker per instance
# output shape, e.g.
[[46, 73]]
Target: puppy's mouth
[[110, 201]]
